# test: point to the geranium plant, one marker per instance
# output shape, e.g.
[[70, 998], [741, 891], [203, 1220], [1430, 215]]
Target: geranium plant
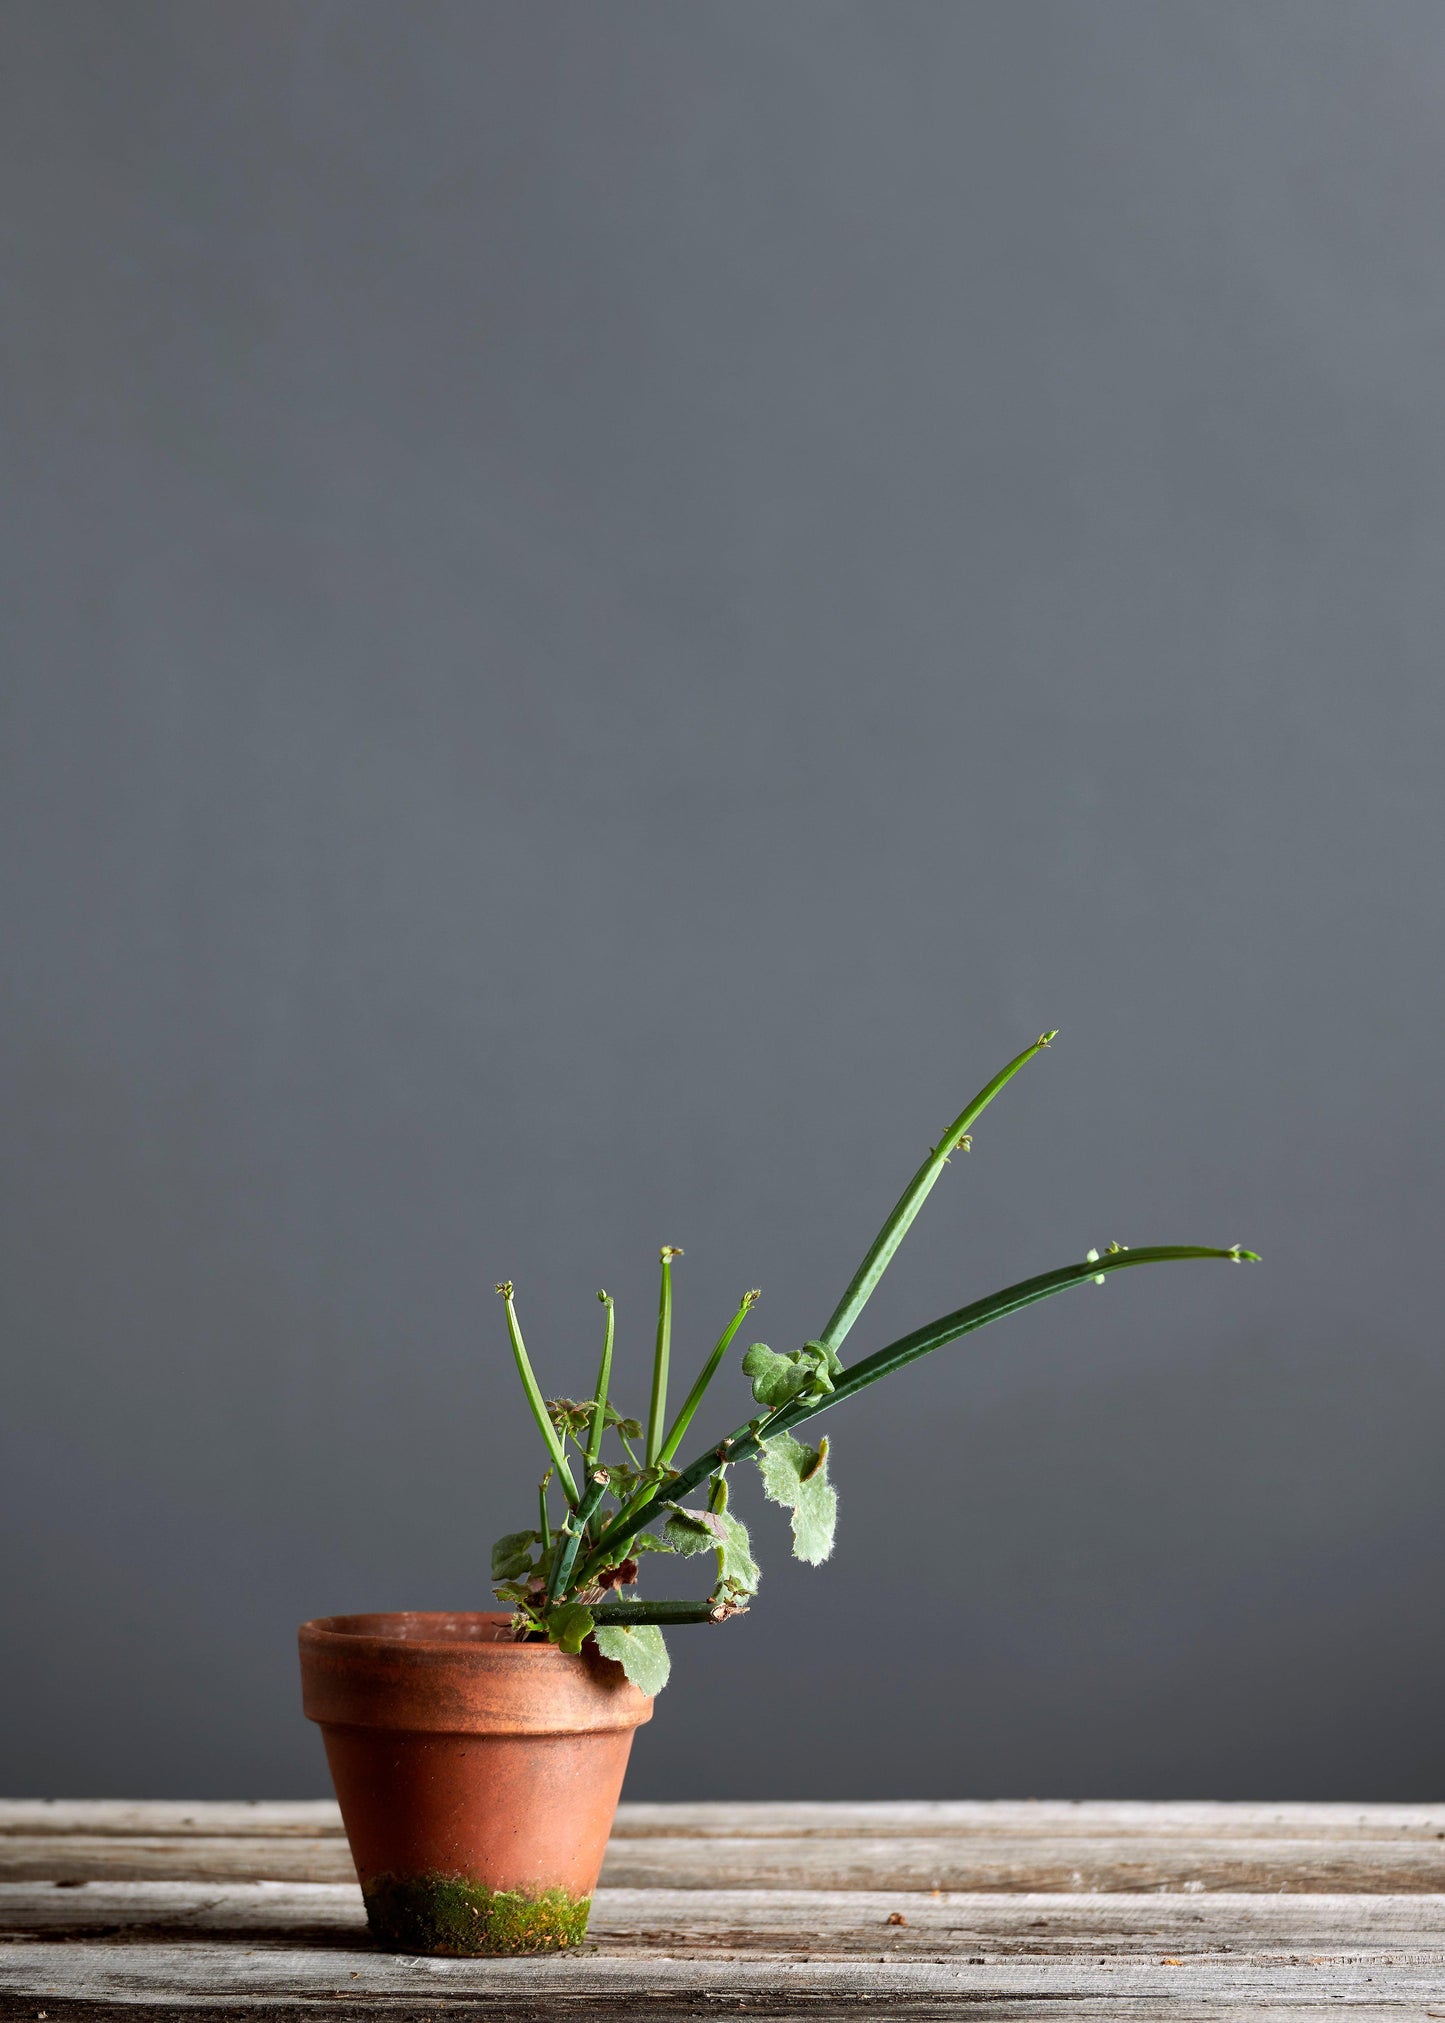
[[567, 1581]]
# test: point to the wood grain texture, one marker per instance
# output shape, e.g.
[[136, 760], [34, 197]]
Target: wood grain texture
[[773, 1923], [823, 1927], [1009, 1846], [312, 1818], [270, 1819]]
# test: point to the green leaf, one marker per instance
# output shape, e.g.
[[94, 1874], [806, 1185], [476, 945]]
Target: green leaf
[[828, 1357], [690, 1532], [694, 1531], [782, 1378], [780, 1463], [797, 1477], [736, 1566], [569, 1627], [512, 1554], [774, 1378], [640, 1651], [648, 1541], [814, 1521]]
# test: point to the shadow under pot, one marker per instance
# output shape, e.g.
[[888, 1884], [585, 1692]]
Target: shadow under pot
[[477, 1777]]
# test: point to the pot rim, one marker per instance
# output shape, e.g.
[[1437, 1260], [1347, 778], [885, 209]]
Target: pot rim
[[448, 1671], [395, 1631]]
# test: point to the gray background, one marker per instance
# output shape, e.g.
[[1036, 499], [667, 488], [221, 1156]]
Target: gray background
[[606, 607]]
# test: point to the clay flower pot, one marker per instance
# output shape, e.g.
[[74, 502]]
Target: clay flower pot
[[477, 1777]]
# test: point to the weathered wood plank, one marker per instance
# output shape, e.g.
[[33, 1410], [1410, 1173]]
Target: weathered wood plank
[[781, 1924], [312, 1818], [1078, 1861], [1021, 1818], [220, 1976], [79, 1857], [784, 2005], [307, 1818], [922, 1911], [131, 1951]]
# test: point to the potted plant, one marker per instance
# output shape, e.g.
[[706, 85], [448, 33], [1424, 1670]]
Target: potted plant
[[478, 1757]]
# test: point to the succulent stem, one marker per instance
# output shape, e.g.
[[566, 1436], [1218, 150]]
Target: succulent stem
[[880, 1254], [604, 1379], [657, 1410], [572, 1532], [630, 1613], [709, 1370], [747, 1439], [548, 1431]]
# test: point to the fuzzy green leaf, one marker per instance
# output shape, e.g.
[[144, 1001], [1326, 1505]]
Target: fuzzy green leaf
[[815, 1521], [828, 1357], [512, 1554], [736, 1567], [640, 1651], [569, 1627], [648, 1541], [690, 1532], [777, 1380], [694, 1531], [797, 1477]]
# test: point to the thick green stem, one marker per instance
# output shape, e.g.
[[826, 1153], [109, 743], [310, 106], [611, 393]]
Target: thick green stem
[[659, 1612], [883, 1362], [657, 1410], [604, 1379], [575, 1526], [747, 1439], [880, 1255], [535, 1399]]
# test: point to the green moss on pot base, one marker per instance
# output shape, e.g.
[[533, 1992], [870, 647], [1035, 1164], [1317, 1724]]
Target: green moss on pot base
[[449, 1914]]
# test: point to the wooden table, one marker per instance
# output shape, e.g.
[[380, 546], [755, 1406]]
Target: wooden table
[[975, 1911]]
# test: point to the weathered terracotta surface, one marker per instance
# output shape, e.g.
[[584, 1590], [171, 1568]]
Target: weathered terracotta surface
[[460, 1757]]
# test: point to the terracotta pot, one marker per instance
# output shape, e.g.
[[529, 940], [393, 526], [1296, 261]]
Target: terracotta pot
[[477, 1777]]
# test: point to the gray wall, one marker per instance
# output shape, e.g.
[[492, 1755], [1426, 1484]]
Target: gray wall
[[606, 608]]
